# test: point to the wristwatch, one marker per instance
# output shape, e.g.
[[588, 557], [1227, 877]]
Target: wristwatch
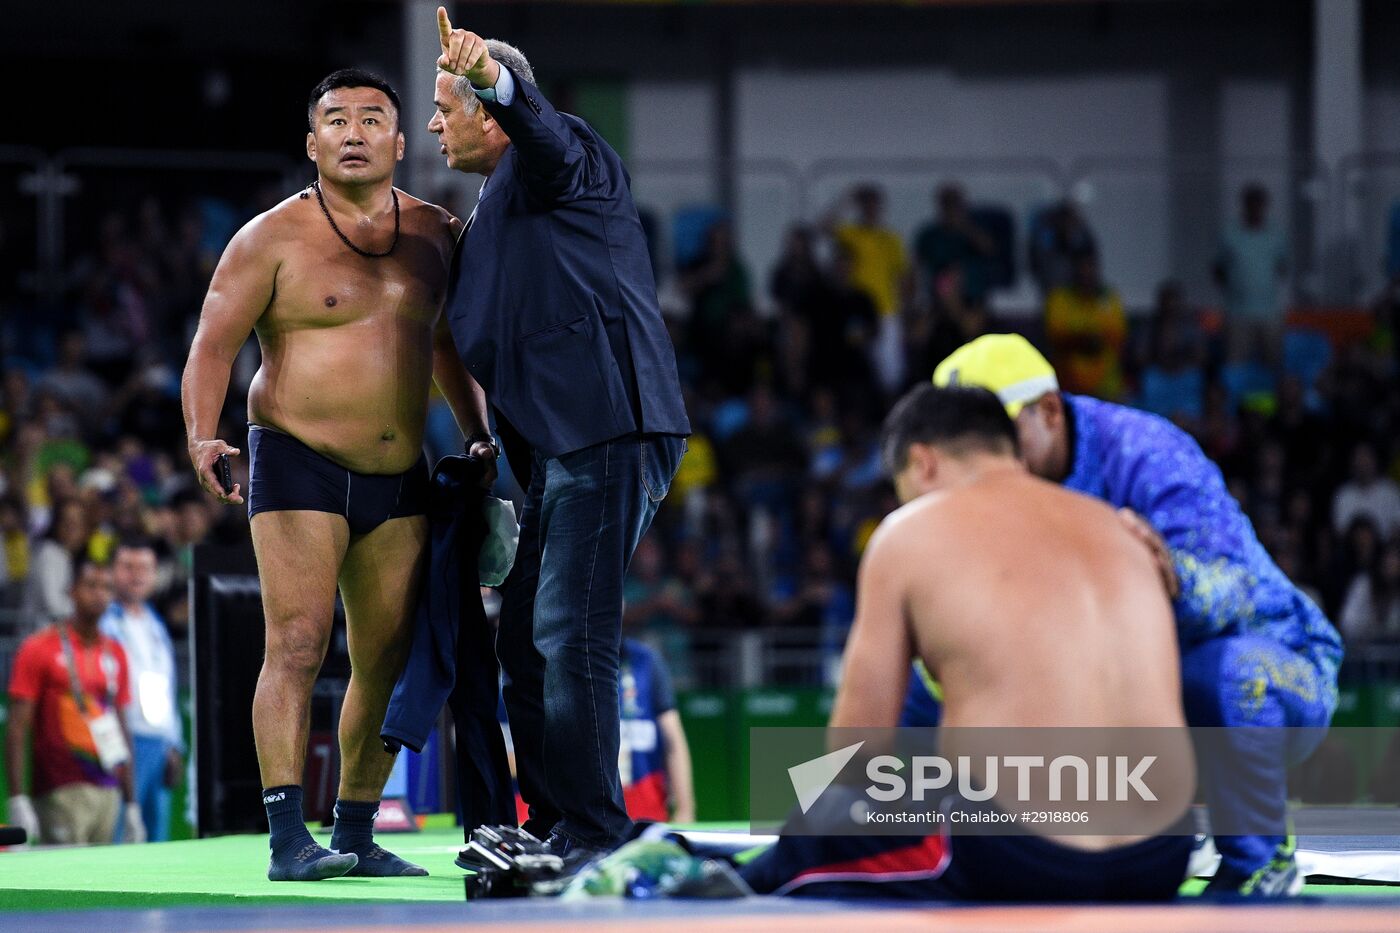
[[484, 437]]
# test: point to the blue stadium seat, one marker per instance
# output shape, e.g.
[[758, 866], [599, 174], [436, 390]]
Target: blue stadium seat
[[1306, 354], [1173, 394], [1245, 381]]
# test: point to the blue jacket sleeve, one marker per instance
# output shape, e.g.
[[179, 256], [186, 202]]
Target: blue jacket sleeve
[[556, 163], [1176, 487]]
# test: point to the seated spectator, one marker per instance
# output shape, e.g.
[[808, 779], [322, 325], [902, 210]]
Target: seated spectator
[[820, 600], [1173, 358], [148, 403], [764, 458], [1086, 329], [60, 441], [1266, 505], [1386, 309], [717, 283], [1367, 494], [73, 384], [1059, 237], [1371, 610], [47, 596], [1219, 429], [724, 592], [953, 242], [1304, 434], [699, 470], [823, 435], [798, 276], [657, 604], [1357, 553], [951, 321], [189, 525], [117, 295], [16, 405], [1300, 517], [15, 560], [843, 324], [1287, 553], [815, 598]]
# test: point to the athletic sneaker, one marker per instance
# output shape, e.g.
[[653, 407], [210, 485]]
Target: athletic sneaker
[[1279, 878], [574, 853], [646, 868], [1204, 858], [312, 862]]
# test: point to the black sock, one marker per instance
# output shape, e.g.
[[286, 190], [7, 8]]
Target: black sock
[[354, 825], [284, 819]]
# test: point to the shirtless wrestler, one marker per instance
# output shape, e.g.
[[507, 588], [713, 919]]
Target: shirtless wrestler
[[343, 284], [1034, 607]]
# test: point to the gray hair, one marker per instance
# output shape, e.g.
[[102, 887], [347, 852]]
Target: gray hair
[[506, 55]]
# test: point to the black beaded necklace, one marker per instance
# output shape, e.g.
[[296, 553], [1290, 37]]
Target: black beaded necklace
[[320, 199]]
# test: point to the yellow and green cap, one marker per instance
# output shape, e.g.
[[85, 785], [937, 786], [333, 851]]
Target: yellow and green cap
[[1005, 364]]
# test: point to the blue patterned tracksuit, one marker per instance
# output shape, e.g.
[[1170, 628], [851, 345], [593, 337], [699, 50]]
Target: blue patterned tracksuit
[[1254, 650]]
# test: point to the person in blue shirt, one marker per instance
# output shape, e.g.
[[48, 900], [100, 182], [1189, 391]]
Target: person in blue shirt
[[153, 716], [1255, 651]]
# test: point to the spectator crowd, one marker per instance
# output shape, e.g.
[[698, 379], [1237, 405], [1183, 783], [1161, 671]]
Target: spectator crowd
[[782, 485]]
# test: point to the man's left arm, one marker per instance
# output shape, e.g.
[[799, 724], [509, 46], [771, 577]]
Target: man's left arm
[[875, 670]]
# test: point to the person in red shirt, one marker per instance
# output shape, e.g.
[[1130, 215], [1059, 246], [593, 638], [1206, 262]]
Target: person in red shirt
[[67, 689]]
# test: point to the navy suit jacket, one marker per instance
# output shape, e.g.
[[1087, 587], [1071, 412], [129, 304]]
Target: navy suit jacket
[[551, 298]]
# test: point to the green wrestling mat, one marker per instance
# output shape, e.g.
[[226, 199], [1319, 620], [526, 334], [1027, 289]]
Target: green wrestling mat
[[231, 871], [202, 872]]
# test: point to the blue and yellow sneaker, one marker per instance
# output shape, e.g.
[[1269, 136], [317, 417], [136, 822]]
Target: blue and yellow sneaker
[[1278, 878]]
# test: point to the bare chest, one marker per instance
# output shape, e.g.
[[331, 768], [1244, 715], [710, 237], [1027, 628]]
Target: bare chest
[[329, 286]]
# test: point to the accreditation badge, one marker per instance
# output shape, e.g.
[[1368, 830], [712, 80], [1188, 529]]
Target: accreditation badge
[[107, 737], [153, 696]]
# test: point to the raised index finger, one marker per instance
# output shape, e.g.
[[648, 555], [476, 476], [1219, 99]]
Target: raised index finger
[[444, 26]]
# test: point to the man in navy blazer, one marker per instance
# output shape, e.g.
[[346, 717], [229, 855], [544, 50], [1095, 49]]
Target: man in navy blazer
[[553, 308]]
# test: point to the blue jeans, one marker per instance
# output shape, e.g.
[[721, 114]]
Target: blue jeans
[[561, 629], [149, 754]]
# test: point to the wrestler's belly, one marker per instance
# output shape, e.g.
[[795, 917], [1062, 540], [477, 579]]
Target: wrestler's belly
[[358, 398]]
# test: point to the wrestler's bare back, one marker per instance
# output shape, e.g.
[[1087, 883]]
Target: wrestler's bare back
[[1033, 606], [347, 340]]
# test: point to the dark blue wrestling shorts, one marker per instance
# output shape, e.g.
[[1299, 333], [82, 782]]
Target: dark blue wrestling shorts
[[286, 475], [1017, 866]]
